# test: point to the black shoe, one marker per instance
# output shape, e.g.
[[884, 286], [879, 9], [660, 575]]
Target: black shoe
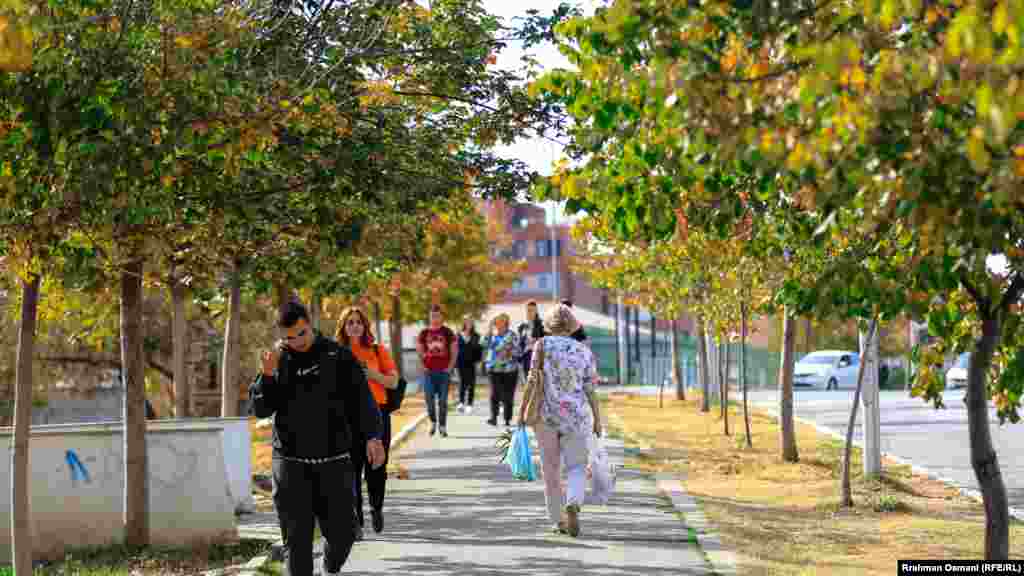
[[378, 521], [493, 421], [444, 432], [359, 533], [433, 429]]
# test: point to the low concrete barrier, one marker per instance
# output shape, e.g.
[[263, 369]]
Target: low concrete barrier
[[237, 450], [76, 485]]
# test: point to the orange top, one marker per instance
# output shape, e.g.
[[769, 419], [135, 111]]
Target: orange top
[[383, 364]]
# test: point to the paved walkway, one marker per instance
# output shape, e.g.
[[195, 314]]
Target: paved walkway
[[461, 513]]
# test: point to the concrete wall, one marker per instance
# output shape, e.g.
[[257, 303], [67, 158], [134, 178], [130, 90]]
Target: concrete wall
[[190, 498]]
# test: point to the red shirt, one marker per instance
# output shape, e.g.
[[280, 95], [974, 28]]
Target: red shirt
[[437, 348]]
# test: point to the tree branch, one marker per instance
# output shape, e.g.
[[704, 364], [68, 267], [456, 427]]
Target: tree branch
[[984, 304], [1013, 293]]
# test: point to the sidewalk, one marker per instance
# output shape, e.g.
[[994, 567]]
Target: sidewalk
[[461, 513]]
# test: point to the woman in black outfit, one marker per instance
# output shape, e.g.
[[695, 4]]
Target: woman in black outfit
[[470, 353]]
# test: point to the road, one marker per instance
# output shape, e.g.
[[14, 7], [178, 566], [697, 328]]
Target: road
[[914, 431]]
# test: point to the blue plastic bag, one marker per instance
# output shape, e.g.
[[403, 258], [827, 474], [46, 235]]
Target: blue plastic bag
[[519, 457]]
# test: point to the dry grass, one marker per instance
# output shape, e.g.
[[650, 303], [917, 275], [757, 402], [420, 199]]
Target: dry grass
[[785, 518]]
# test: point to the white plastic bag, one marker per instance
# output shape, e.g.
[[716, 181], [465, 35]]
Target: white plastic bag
[[600, 471]]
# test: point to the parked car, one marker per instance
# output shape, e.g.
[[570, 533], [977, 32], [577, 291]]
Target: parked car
[[827, 370], [956, 376]]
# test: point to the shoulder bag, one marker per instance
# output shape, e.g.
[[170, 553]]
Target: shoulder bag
[[395, 395], [534, 397]]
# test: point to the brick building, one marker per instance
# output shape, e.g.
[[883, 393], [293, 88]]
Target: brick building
[[547, 253]]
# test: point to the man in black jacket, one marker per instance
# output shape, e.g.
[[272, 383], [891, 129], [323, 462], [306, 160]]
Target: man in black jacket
[[319, 398]]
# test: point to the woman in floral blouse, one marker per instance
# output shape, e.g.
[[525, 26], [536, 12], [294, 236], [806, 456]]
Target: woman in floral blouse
[[568, 415], [502, 364]]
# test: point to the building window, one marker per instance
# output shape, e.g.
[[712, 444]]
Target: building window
[[544, 282], [519, 249], [558, 247], [518, 285], [542, 249]]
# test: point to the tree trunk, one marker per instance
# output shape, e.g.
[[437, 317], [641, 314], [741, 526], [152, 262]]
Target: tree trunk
[[846, 496], [983, 455], [396, 334], [316, 310], [179, 344], [21, 515], [789, 451], [377, 319], [677, 362], [282, 295], [725, 385], [232, 349], [743, 370], [136, 465], [702, 366], [808, 336]]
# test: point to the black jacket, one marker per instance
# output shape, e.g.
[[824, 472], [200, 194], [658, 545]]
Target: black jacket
[[319, 399]]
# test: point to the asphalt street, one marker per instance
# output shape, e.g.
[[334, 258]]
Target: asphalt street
[[934, 439]]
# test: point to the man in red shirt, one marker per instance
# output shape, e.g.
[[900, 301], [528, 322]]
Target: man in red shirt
[[438, 348]]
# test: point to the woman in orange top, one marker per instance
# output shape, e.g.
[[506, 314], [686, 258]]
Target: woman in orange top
[[354, 332]]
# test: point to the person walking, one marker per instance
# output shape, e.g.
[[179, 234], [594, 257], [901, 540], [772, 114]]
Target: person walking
[[562, 380], [578, 334], [438, 349], [529, 332], [323, 410], [502, 364], [354, 333], [470, 353]]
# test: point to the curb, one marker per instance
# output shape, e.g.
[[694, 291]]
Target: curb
[[721, 560], [407, 430], [971, 493]]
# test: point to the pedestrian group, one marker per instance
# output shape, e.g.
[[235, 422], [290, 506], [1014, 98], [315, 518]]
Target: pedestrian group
[[332, 423]]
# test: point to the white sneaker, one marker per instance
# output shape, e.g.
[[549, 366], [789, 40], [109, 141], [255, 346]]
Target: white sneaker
[[469, 409], [460, 408]]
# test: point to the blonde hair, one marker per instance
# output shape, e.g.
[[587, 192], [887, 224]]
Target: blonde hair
[[502, 316], [560, 321]]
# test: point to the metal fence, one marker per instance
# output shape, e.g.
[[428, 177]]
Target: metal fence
[[652, 365]]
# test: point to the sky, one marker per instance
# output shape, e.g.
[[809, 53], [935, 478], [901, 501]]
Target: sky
[[540, 154]]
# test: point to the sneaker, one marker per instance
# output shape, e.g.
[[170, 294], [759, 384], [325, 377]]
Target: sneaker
[[469, 409], [572, 519], [433, 429], [460, 408], [444, 432], [493, 422], [359, 533], [378, 520]]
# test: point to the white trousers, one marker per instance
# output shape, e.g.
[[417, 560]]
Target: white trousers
[[554, 448]]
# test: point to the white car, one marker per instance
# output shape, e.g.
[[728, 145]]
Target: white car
[[956, 376], [827, 370]]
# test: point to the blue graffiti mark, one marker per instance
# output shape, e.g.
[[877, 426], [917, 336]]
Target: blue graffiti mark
[[78, 471]]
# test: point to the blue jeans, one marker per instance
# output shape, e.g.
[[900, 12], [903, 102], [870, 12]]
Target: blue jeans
[[436, 385]]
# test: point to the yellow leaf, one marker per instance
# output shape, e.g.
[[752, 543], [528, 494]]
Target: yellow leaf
[[1000, 18], [183, 42]]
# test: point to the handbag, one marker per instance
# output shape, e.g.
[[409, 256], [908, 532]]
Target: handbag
[[394, 395], [534, 397]]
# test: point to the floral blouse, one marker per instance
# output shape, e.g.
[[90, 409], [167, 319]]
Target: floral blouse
[[570, 372], [502, 352]]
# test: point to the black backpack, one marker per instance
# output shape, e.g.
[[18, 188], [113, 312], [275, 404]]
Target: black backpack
[[396, 395]]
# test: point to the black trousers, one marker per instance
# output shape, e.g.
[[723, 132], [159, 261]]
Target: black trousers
[[304, 492], [503, 390], [467, 384], [375, 478]]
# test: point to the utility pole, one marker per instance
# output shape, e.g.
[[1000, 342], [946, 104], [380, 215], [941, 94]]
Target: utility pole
[[869, 397]]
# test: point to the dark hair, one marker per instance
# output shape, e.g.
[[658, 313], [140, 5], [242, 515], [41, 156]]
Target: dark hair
[[567, 302], [290, 313], [435, 308], [532, 303]]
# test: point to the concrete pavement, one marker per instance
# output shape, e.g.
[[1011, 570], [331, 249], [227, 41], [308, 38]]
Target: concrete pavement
[[460, 512]]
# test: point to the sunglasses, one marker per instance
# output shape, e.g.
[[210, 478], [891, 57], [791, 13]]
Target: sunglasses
[[297, 336]]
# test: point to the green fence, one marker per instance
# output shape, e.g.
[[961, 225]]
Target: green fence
[[650, 369]]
